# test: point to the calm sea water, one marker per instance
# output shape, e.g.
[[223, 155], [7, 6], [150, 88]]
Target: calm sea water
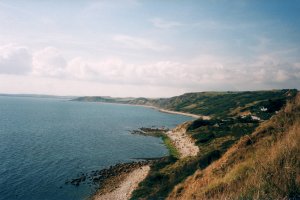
[[44, 142]]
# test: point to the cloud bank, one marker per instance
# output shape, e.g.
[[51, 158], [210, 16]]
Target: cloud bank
[[204, 71], [15, 60]]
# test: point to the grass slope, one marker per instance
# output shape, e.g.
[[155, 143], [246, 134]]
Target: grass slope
[[214, 137], [231, 120], [263, 165]]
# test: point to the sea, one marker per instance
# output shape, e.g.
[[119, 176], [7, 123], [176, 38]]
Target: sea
[[46, 141]]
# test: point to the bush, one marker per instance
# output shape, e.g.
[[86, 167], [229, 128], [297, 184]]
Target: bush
[[198, 123]]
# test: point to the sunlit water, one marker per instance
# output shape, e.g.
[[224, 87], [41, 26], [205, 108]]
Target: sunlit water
[[44, 142]]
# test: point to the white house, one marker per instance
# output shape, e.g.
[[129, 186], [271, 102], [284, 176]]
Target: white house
[[263, 109], [253, 117]]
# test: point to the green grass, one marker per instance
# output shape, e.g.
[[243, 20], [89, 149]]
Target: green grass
[[217, 134], [170, 146]]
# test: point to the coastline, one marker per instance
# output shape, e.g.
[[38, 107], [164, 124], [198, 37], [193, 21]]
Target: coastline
[[176, 140], [183, 113], [158, 109], [126, 186], [122, 186], [173, 112]]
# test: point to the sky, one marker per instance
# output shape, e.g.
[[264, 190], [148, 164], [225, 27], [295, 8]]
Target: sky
[[153, 48]]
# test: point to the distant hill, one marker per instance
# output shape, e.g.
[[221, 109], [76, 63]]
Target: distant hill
[[215, 104]]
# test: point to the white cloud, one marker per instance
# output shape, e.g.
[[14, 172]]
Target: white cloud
[[205, 72], [164, 24], [264, 71], [49, 62], [282, 76], [78, 69], [15, 60], [139, 43]]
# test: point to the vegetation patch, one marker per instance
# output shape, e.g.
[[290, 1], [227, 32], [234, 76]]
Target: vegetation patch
[[262, 165], [170, 146], [168, 172]]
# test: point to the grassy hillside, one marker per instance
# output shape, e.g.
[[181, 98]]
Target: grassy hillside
[[221, 104], [214, 137], [215, 104], [263, 165], [236, 118]]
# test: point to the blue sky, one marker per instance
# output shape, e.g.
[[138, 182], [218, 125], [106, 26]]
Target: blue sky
[[148, 48]]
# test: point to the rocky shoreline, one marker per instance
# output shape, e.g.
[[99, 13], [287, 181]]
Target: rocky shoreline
[[178, 136], [121, 187], [98, 178], [154, 132], [108, 181], [120, 180]]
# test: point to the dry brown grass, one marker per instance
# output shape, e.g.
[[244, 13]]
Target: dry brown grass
[[265, 165], [277, 171]]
